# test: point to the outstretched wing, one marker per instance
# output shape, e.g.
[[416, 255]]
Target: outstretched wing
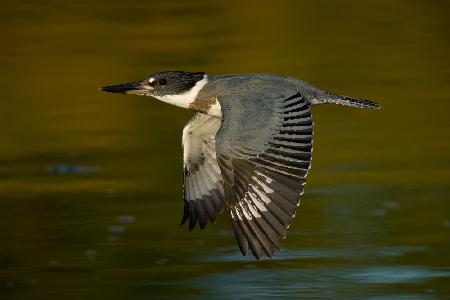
[[203, 185], [264, 152]]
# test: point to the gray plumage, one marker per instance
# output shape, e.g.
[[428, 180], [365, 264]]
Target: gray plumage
[[252, 156]]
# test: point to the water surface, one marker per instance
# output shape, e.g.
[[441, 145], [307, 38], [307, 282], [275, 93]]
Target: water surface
[[90, 183]]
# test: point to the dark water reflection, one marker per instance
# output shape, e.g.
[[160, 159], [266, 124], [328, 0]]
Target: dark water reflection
[[90, 184]]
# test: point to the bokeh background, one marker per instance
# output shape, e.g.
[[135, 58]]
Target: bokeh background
[[91, 183]]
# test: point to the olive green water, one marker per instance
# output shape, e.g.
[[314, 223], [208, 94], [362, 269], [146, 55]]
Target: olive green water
[[90, 183]]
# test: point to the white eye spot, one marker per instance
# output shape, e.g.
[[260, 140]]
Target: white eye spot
[[151, 80]]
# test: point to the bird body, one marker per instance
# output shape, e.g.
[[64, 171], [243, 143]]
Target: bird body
[[248, 148]]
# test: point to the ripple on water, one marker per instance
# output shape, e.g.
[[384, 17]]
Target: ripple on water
[[116, 229], [232, 255], [402, 297], [304, 282], [64, 169], [398, 274], [126, 219]]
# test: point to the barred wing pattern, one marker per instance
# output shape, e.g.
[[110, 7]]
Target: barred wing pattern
[[203, 185], [264, 177]]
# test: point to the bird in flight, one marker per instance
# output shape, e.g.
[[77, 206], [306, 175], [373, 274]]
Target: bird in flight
[[247, 150]]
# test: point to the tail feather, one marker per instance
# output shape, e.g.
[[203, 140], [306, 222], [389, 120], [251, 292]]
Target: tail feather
[[355, 102], [349, 101]]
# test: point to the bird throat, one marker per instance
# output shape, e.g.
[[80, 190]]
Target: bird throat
[[198, 98], [186, 99]]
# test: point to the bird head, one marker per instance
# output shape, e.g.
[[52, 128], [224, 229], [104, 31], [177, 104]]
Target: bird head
[[176, 87]]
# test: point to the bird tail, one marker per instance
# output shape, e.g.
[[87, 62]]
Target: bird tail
[[349, 101]]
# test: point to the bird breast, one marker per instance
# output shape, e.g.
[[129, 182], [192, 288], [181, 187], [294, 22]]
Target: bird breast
[[207, 105]]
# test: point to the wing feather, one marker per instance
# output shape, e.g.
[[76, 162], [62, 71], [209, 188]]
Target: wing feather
[[203, 190], [264, 164]]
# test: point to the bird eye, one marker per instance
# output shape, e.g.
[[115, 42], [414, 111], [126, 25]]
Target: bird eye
[[162, 81]]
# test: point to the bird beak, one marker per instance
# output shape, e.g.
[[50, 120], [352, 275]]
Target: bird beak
[[137, 87]]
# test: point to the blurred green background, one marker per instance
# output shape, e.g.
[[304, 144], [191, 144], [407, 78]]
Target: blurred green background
[[91, 183]]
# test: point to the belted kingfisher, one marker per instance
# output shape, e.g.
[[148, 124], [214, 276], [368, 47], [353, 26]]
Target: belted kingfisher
[[248, 148]]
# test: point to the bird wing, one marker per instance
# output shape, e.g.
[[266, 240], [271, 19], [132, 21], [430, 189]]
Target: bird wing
[[264, 153], [203, 186]]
